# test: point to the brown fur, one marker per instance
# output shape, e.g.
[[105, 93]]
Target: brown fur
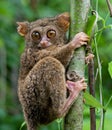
[[42, 84]]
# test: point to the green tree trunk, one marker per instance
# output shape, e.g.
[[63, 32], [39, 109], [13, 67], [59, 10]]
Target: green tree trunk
[[79, 12]]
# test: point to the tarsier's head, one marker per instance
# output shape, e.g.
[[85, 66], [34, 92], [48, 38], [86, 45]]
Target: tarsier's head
[[45, 32]]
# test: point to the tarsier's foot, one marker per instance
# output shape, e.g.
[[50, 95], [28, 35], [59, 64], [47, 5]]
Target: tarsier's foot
[[89, 58], [80, 39], [76, 87]]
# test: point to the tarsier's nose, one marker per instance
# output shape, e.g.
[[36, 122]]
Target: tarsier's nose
[[44, 43]]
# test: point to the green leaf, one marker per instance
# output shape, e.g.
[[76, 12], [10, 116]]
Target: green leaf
[[90, 100], [110, 26], [100, 18], [59, 121], [110, 68], [110, 99], [22, 125], [90, 25], [1, 43]]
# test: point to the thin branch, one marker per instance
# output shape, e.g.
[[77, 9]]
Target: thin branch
[[92, 92], [110, 7], [101, 127]]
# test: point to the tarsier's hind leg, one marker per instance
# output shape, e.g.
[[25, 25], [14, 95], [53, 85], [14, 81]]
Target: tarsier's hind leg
[[42, 96]]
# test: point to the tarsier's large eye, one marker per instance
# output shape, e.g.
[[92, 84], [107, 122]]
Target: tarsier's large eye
[[51, 33], [35, 35]]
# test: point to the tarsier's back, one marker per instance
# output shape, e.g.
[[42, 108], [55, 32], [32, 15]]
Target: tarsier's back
[[42, 98]]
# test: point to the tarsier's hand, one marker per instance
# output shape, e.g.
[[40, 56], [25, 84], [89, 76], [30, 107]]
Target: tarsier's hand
[[79, 40]]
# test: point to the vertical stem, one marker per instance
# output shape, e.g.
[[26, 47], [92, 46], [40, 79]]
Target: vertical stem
[[110, 7], [3, 75], [101, 127], [79, 12], [92, 92], [33, 4]]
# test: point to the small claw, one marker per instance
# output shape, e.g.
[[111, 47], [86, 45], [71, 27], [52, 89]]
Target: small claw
[[84, 88], [82, 80], [89, 58], [83, 43], [85, 84]]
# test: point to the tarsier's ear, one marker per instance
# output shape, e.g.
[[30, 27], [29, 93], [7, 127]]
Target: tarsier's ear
[[63, 20], [22, 28]]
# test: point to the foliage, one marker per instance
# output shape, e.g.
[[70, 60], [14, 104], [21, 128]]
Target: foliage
[[91, 101], [110, 68], [11, 46]]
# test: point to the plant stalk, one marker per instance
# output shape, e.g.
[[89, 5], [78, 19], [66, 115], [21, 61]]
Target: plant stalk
[[101, 127], [92, 92]]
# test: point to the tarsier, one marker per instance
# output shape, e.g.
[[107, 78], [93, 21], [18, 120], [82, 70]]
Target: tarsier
[[42, 80]]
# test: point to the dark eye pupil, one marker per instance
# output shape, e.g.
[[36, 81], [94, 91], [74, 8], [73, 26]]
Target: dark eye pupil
[[35, 35]]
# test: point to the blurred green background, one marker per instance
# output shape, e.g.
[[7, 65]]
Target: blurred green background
[[11, 46]]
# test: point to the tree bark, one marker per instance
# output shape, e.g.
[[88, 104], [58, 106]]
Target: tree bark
[[79, 12]]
